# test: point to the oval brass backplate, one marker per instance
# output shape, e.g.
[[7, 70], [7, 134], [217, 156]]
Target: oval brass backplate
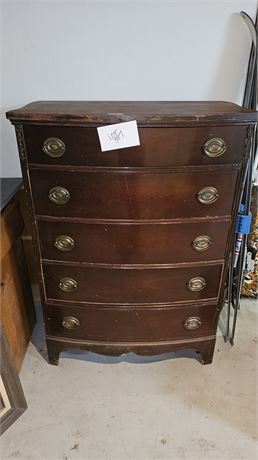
[[196, 284], [70, 322], [208, 195], [54, 147], [201, 243], [193, 322], [67, 284], [64, 243], [214, 147], [59, 195]]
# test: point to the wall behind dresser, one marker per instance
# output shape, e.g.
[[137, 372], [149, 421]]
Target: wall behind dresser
[[120, 50]]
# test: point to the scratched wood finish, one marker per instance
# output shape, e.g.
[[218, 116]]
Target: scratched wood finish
[[123, 195], [157, 113], [159, 147], [114, 285], [133, 243], [135, 324]]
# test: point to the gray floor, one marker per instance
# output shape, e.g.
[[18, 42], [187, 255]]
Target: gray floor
[[134, 408]]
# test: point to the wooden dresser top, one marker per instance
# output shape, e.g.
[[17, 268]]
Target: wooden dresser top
[[155, 113]]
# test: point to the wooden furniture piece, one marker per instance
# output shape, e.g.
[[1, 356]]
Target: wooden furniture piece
[[133, 244], [17, 308], [28, 244], [12, 399]]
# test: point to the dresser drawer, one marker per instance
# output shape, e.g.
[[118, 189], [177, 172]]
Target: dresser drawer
[[127, 195], [135, 324], [159, 146], [133, 243], [131, 285]]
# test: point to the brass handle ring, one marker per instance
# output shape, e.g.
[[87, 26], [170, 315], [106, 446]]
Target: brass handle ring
[[64, 243], [69, 322], [59, 195], [196, 284], [201, 243], [214, 147], [54, 147], [208, 195], [193, 322], [67, 285]]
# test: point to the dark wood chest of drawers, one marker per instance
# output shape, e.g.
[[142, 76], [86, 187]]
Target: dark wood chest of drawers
[[133, 244]]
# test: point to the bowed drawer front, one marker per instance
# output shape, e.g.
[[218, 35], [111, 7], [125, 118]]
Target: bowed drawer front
[[133, 244], [141, 324], [159, 147], [124, 195], [114, 285]]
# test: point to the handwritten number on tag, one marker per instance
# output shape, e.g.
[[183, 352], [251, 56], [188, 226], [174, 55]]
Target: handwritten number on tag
[[118, 136]]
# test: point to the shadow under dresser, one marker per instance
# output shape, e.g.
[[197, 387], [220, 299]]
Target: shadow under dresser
[[133, 244]]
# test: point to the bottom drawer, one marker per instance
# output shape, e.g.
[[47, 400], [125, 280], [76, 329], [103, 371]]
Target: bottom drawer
[[134, 324]]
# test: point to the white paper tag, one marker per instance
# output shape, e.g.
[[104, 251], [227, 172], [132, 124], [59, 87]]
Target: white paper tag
[[118, 136]]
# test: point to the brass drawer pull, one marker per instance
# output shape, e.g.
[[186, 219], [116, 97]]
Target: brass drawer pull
[[201, 243], [194, 322], [196, 284], [69, 322], [214, 147], [59, 195], [68, 285], [64, 243], [208, 195], [54, 147]]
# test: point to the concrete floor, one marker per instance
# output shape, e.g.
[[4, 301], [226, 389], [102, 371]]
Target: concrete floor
[[141, 409]]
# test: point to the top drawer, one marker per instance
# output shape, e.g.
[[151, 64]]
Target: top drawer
[[159, 146]]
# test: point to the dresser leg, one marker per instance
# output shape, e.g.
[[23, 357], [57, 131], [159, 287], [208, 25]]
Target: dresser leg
[[206, 353], [207, 357], [53, 353]]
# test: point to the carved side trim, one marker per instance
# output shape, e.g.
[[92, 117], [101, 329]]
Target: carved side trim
[[20, 141], [247, 142], [29, 202]]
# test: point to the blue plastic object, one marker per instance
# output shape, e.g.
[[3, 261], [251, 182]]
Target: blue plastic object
[[243, 223]]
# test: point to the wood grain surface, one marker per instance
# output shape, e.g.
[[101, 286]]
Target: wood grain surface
[[130, 195], [133, 243], [137, 324], [158, 113], [131, 285], [158, 146]]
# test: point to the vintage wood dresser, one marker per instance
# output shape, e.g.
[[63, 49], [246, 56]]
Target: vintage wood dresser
[[133, 244]]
